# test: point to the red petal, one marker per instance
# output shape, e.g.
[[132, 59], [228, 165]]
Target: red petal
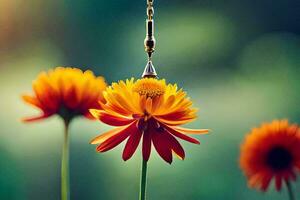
[[71, 97], [146, 145], [293, 176], [175, 145], [89, 116], [111, 119], [265, 182], [278, 182], [46, 96], [117, 139], [181, 136], [101, 138], [32, 119], [131, 145], [161, 145]]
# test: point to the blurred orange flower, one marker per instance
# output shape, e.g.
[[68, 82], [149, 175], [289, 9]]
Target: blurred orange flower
[[271, 151], [68, 92], [149, 109]]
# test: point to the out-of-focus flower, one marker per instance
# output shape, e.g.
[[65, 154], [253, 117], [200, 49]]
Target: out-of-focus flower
[[271, 151], [149, 110], [67, 92]]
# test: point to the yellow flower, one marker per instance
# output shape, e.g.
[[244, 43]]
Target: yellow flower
[[149, 109]]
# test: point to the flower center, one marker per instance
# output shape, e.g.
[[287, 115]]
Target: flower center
[[150, 87], [279, 158]]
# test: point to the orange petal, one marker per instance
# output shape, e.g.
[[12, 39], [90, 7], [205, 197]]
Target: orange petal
[[125, 103], [178, 115], [190, 131], [45, 96], [31, 100], [113, 108], [156, 103], [116, 139], [173, 122], [181, 135], [95, 113], [89, 116], [101, 138], [148, 106], [170, 101]]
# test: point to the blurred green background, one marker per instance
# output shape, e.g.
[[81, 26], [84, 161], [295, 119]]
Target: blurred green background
[[239, 60]]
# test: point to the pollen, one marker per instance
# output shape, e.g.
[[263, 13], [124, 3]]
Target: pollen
[[150, 87]]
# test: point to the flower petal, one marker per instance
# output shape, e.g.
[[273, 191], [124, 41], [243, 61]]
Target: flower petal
[[32, 101], [162, 146], [45, 95], [146, 145], [117, 138], [190, 131], [66, 91], [175, 145], [101, 138], [174, 122], [157, 102], [131, 145], [265, 182], [180, 135], [37, 118], [148, 105], [110, 119], [113, 108], [278, 182], [71, 98], [88, 115]]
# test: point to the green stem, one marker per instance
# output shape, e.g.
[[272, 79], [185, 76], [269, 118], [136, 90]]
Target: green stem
[[143, 184], [65, 188], [290, 190]]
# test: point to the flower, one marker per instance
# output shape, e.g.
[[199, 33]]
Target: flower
[[271, 151], [149, 110], [67, 92]]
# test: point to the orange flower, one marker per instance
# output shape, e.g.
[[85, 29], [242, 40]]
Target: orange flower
[[146, 109], [271, 151], [68, 92]]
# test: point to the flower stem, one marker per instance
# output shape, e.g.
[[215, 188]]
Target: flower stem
[[143, 183], [290, 190], [65, 191]]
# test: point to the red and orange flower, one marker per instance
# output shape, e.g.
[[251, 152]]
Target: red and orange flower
[[68, 92], [149, 110], [271, 151]]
